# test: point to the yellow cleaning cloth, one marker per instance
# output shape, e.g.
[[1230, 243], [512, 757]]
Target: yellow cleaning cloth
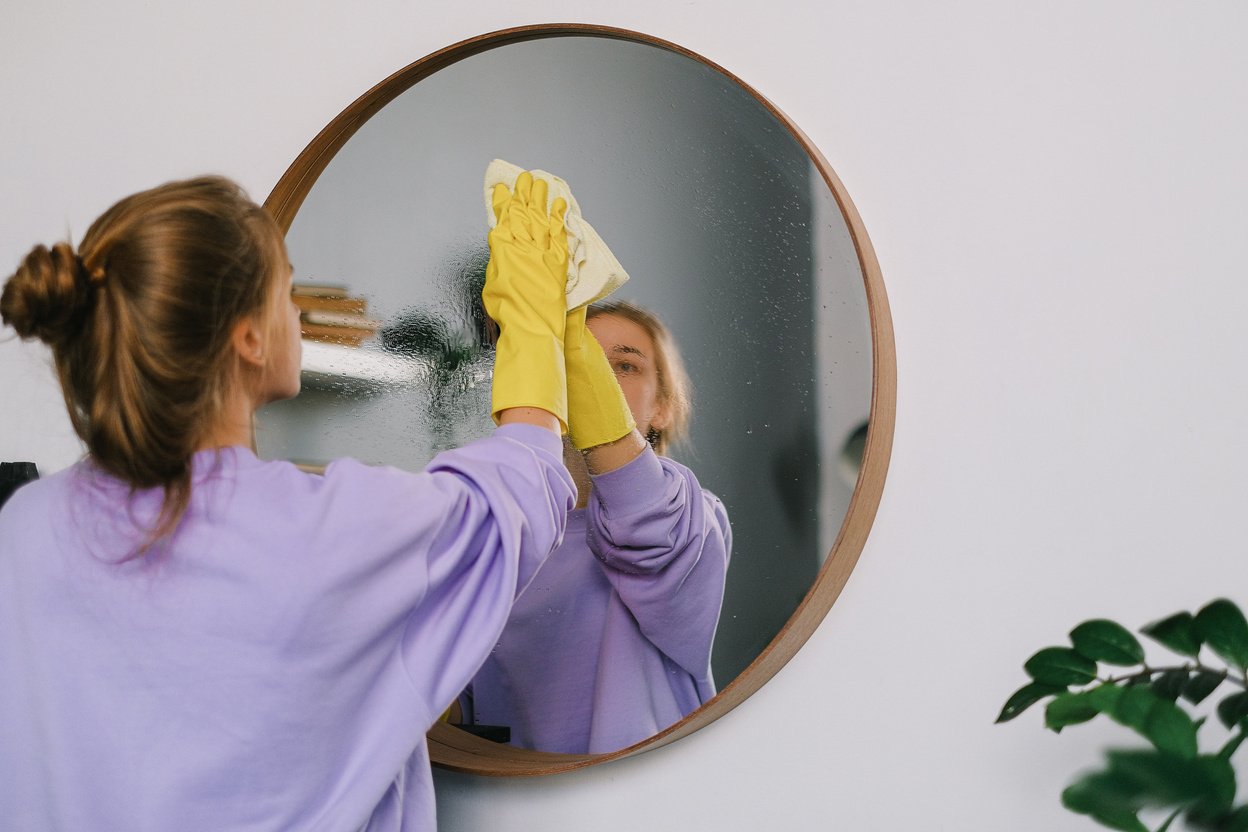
[[593, 271]]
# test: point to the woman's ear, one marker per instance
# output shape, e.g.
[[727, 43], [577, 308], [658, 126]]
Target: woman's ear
[[248, 341], [662, 416]]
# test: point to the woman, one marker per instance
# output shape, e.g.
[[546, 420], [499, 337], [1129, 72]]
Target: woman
[[611, 643], [194, 638]]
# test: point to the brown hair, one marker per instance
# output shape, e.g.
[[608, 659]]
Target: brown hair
[[675, 392], [139, 322]]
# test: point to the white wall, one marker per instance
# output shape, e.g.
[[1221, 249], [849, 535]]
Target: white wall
[[1055, 191]]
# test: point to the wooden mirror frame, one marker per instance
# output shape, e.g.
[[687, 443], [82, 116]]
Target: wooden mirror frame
[[460, 751]]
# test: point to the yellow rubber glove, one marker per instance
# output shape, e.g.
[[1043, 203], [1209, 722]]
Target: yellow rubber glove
[[525, 293], [597, 410]]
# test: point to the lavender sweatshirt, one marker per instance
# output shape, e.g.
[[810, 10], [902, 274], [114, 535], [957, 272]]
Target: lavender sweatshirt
[[278, 666], [611, 642]]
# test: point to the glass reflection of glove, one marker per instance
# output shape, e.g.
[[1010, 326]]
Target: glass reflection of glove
[[525, 293], [597, 410]]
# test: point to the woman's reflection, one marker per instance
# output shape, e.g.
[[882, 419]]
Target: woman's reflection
[[611, 642]]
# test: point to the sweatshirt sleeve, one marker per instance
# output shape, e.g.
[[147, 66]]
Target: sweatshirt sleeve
[[418, 571], [664, 545], [509, 516]]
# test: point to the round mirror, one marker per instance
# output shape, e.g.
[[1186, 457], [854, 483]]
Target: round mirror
[[733, 229]]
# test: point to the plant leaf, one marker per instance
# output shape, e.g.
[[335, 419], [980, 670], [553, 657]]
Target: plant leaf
[[1201, 684], [1025, 697], [1069, 709], [1106, 641], [1142, 779], [1162, 780], [1074, 708], [1222, 626], [1170, 684], [1178, 632], [1163, 723], [1060, 666], [1233, 821], [1103, 797], [1221, 776], [1233, 708]]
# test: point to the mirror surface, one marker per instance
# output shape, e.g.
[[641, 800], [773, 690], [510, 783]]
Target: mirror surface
[[726, 227]]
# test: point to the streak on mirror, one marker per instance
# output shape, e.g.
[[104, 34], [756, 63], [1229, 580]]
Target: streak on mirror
[[734, 230]]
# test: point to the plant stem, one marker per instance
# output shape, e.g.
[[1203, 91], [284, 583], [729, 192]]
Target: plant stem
[[1197, 666], [1232, 745], [1169, 820]]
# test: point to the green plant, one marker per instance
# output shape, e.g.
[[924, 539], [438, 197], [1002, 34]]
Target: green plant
[[1173, 775]]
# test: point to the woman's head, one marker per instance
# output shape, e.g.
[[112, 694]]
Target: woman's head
[[648, 368], [142, 323]]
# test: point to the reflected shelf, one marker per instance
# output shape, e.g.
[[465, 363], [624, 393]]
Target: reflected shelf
[[335, 367]]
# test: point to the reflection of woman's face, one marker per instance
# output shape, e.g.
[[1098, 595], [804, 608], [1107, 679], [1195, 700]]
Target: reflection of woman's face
[[630, 350]]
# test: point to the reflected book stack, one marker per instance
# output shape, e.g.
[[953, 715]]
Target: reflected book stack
[[329, 315], [340, 348]]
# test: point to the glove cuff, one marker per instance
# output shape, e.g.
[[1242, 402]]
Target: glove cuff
[[533, 376], [598, 412]]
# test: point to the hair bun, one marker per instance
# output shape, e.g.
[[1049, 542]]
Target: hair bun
[[46, 296]]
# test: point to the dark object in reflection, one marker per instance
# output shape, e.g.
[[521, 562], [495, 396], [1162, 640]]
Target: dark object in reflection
[[455, 347], [788, 474], [449, 342], [851, 454], [493, 733], [13, 475], [421, 335]]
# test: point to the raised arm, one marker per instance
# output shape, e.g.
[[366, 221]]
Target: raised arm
[[664, 544], [521, 512], [662, 541], [505, 507]]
